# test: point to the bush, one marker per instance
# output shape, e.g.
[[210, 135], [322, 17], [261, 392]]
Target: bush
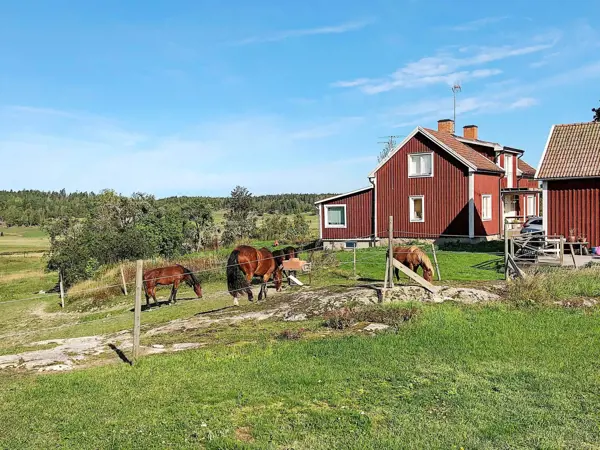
[[291, 335], [391, 314], [547, 285]]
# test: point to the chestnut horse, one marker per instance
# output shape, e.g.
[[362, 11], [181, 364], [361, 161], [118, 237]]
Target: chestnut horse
[[252, 262], [169, 275], [413, 257], [286, 254]]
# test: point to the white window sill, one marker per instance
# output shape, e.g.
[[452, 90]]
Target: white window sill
[[336, 226], [421, 176], [486, 220], [417, 220]]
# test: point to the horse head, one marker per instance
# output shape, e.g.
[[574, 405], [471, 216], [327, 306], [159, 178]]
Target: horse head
[[278, 277], [198, 290]]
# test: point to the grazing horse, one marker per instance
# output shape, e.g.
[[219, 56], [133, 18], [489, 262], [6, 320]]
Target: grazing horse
[[169, 275], [413, 257], [252, 262], [286, 254]]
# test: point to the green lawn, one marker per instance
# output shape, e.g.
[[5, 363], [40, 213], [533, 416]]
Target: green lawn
[[471, 377], [19, 239], [454, 265]]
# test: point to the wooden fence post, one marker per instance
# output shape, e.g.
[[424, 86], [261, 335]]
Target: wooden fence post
[[437, 267], [391, 252], [505, 251], [137, 308], [123, 281], [562, 251], [62, 290], [354, 261]]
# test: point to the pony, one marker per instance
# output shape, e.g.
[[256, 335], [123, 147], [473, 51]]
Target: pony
[[413, 257], [252, 262], [286, 254], [169, 275]]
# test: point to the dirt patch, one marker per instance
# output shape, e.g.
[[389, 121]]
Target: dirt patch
[[243, 434]]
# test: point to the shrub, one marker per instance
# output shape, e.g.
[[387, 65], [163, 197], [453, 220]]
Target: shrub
[[393, 315], [291, 335]]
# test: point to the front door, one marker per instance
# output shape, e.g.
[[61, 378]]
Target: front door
[[510, 208]]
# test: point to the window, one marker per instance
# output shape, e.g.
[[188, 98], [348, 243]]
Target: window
[[486, 207], [417, 208], [420, 165], [350, 244], [335, 216], [531, 206], [508, 169]]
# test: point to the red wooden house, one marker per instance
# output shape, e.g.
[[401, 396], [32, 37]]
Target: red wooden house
[[570, 174], [435, 184]]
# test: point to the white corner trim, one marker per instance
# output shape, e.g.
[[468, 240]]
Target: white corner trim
[[410, 210], [320, 221], [537, 171], [345, 216], [545, 207], [471, 205], [375, 207]]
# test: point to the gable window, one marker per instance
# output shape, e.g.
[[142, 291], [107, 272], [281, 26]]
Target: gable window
[[335, 216], [420, 165], [486, 207], [508, 170], [417, 208]]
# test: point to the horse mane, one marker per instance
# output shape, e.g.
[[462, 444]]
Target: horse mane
[[425, 261], [190, 278]]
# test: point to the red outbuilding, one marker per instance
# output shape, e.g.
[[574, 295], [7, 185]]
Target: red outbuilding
[[570, 175], [435, 184]]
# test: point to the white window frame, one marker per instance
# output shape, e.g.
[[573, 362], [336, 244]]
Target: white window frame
[[327, 225], [508, 170], [411, 200], [529, 212], [491, 211], [420, 154]]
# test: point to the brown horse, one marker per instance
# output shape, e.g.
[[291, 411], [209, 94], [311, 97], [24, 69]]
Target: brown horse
[[169, 275], [252, 262], [413, 257], [286, 254]]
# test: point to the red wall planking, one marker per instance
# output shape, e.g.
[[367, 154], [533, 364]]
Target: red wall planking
[[574, 204], [487, 184], [359, 216], [445, 194]]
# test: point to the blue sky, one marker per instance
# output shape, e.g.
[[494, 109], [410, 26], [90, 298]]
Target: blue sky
[[194, 97]]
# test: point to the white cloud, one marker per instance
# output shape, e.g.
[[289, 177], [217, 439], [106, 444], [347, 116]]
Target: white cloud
[[287, 34], [524, 102], [443, 68], [477, 24]]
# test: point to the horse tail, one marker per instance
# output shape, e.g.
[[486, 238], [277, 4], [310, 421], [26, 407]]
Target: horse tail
[[233, 266]]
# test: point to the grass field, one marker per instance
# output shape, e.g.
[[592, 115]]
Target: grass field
[[501, 375], [19, 239], [471, 377]]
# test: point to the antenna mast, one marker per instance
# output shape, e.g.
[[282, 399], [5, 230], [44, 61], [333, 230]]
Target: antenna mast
[[455, 90]]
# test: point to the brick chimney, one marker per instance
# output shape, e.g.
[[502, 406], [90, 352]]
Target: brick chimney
[[470, 132], [446, 125]]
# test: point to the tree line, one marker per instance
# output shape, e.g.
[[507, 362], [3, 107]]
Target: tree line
[[88, 231], [33, 207]]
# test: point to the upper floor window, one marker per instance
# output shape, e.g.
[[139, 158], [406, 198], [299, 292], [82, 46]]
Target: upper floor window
[[508, 170], [335, 216], [420, 165]]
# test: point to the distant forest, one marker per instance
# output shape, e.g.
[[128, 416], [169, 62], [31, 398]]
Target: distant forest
[[32, 207]]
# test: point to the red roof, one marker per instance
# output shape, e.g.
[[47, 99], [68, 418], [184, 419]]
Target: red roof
[[464, 151], [573, 151], [525, 168]]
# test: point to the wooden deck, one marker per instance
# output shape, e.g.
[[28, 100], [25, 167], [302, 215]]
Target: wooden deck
[[581, 260]]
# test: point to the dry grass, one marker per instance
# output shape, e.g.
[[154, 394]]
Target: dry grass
[[392, 314]]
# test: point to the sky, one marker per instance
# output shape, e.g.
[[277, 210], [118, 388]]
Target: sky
[[196, 97]]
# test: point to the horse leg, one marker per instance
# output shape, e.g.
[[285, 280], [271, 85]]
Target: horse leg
[[147, 296], [263, 287], [397, 273], [174, 290], [248, 290], [153, 294]]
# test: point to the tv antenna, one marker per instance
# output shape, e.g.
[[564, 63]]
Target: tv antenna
[[455, 90], [390, 144]]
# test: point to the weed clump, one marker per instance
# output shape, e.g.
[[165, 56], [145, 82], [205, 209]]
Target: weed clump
[[392, 315], [291, 335]]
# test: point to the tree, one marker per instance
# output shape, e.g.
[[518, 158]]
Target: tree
[[596, 112], [199, 218], [240, 219]]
